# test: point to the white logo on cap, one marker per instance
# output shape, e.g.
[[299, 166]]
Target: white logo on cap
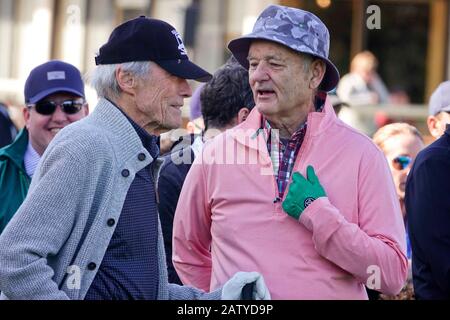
[[180, 42], [56, 75]]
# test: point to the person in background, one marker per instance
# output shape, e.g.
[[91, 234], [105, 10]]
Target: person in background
[[226, 101], [363, 85], [337, 103], [8, 130], [400, 143], [428, 206], [54, 98], [439, 110]]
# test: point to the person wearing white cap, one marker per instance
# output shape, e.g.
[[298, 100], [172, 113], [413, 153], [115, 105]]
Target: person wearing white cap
[[439, 110]]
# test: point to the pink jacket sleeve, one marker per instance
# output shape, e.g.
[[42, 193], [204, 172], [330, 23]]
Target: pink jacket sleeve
[[375, 246], [191, 231]]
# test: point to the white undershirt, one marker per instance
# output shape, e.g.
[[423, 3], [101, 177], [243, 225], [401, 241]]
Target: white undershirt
[[31, 160]]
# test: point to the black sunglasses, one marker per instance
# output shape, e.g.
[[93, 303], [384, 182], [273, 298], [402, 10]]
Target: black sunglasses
[[48, 107]]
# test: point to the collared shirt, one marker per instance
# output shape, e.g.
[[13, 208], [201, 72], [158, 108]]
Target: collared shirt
[[197, 146], [283, 152], [129, 270], [31, 160]]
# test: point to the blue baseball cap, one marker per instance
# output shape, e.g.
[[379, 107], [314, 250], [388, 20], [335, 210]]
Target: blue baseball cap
[[146, 39], [51, 77], [294, 28]]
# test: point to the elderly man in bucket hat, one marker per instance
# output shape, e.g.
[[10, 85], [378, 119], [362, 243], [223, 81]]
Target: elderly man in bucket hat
[[89, 227], [292, 192]]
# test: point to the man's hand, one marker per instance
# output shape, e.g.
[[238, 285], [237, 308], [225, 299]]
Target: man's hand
[[302, 193], [232, 289]]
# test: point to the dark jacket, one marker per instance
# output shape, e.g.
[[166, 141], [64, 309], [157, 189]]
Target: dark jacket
[[428, 206], [7, 129], [14, 181], [171, 178]]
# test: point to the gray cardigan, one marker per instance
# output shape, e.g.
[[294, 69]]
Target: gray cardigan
[[62, 226]]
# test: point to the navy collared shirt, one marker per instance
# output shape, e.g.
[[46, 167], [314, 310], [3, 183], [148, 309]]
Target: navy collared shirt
[[129, 270]]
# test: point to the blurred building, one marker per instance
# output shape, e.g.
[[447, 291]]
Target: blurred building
[[411, 42]]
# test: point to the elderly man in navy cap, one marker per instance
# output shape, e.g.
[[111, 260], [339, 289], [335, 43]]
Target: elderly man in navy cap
[[54, 98], [89, 228], [292, 192]]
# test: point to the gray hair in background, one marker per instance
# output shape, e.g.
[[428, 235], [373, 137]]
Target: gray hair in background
[[103, 77]]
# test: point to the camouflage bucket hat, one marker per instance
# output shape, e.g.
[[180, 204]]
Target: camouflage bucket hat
[[297, 29]]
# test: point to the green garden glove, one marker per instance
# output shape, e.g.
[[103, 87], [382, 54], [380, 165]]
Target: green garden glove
[[302, 193]]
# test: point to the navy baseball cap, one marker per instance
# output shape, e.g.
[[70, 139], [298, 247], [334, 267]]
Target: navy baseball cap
[[51, 77], [146, 39]]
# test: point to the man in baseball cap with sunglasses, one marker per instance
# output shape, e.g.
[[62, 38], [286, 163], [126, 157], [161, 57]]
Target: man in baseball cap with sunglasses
[[54, 98], [96, 234]]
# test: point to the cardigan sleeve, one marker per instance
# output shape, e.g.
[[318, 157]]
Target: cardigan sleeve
[[43, 224]]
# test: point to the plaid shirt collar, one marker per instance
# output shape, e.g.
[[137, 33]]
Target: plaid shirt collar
[[283, 152]]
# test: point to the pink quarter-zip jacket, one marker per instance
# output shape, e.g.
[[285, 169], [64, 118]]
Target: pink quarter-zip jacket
[[228, 218]]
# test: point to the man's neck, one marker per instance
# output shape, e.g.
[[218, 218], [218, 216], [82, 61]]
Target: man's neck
[[137, 116], [288, 125], [212, 132]]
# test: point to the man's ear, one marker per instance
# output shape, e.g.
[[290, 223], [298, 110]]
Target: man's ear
[[26, 116], [242, 115], [433, 126], [190, 127], [126, 81], [86, 109], [317, 69]]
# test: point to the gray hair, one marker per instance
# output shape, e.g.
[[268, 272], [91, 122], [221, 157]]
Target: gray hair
[[103, 77], [307, 60]]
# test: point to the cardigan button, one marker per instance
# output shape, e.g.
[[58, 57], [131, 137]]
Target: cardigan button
[[92, 266], [125, 173], [141, 156], [111, 222]]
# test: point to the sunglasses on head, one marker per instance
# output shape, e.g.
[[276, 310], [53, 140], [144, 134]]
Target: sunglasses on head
[[48, 107], [401, 162]]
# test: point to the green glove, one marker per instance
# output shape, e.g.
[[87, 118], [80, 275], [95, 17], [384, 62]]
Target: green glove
[[302, 193]]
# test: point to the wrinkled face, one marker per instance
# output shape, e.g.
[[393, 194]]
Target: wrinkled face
[[401, 145], [43, 128], [278, 79], [161, 96]]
